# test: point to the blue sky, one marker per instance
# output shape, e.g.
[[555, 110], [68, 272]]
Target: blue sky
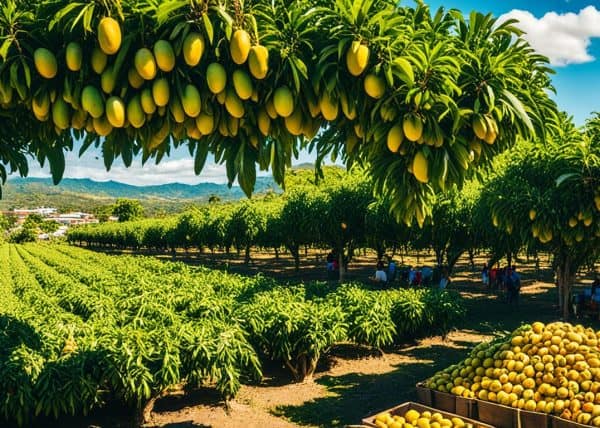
[[567, 31]]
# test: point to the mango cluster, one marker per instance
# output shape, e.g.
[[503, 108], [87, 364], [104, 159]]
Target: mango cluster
[[413, 418], [553, 369]]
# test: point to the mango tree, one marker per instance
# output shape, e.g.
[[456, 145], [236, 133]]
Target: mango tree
[[382, 231], [300, 220], [246, 226], [343, 221], [421, 98], [449, 230], [550, 192]]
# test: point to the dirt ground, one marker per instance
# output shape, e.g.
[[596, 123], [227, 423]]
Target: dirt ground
[[353, 382]]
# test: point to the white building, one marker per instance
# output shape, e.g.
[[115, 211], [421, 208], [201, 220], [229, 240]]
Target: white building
[[75, 218]]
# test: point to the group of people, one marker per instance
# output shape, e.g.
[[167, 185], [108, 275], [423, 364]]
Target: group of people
[[411, 276], [503, 279]]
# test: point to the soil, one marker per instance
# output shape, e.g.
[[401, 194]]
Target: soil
[[353, 382]]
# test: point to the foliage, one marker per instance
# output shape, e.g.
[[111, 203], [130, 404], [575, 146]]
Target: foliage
[[440, 71], [450, 231], [79, 328], [23, 234], [127, 209], [339, 213], [546, 196], [288, 328]]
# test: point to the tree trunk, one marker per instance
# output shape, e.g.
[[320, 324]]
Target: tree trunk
[[509, 257], [342, 268], [452, 259], [439, 257], [247, 255], [276, 253], [149, 406], [564, 278], [303, 368], [472, 258], [295, 252]]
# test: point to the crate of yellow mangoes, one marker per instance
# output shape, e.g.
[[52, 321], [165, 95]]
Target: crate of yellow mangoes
[[410, 415], [541, 375]]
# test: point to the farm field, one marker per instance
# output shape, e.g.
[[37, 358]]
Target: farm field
[[82, 328], [148, 327]]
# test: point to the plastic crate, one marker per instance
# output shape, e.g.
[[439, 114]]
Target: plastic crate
[[403, 408]]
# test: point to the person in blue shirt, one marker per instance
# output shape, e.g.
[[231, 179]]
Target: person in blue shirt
[[512, 282], [391, 274]]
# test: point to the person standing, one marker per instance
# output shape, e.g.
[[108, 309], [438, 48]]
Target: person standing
[[493, 276], [445, 280], [380, 276], [391, 275], [512, 282], [412, 276], [596, 286], [485, 276]]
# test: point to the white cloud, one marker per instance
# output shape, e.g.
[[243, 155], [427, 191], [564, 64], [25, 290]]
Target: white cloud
[[168, 171], [564, 38], [178, 168]]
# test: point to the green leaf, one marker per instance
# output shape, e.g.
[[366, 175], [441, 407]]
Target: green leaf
[[208, 28], [519, 109], [565, 177], [200, 157], [404, 70]]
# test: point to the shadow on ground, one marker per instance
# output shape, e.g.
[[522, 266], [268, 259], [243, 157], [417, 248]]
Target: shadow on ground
[[354, 396]]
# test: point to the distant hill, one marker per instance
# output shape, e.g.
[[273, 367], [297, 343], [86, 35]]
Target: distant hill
[[80, 194], [114, 189]]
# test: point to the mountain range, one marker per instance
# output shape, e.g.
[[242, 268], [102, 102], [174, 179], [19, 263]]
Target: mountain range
[[83, 193]]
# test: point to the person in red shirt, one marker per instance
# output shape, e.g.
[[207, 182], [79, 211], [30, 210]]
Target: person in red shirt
[[493, 275]]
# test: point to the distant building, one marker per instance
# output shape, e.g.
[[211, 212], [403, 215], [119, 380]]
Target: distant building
[[74, 218], [21, 214], [51, 214]]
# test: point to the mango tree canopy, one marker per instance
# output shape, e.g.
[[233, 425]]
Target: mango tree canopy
[[546, 196], [422, 99]]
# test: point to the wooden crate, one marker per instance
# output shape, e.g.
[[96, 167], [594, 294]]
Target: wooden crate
[[403, 408], [466, 407], [556, 422], [497, 414], [443, 401], [424, 394], [533, 419]]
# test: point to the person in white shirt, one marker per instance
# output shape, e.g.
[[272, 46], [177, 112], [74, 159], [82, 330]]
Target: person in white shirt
[[380, 275]]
